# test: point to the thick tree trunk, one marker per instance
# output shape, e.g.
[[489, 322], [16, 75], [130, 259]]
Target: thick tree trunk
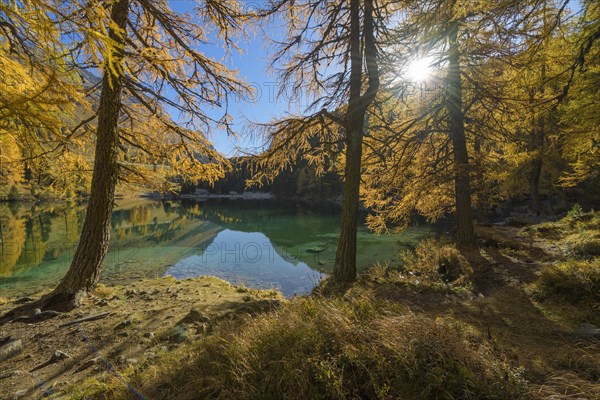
[[84, 272], [344, 269], [465, 234]]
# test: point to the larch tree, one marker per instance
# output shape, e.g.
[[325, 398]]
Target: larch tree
[[580, 112], [330, 56], [426, 134], [150, 58], [542, 80], [38, 90]]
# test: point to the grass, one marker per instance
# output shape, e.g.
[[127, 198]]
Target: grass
[[339, 349], [576, 282], [433, 264]]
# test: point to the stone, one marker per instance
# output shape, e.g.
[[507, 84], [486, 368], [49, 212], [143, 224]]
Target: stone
[[194, 316], [59, 356], [11, 349], [587, 331], [20, 394], [124, 323], [149, 335]]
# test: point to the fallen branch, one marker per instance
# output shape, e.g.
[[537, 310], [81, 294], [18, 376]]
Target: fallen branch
[[84, 319]]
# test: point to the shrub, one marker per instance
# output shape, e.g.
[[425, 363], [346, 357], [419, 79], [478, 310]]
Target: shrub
[[576, 213], [575, 282], [585, 248], [335, 349], [548, 230], [434, 261]]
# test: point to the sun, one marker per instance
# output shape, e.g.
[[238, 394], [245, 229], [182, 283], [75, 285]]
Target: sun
[[420, 69]]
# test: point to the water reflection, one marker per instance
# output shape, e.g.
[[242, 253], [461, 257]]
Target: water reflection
[[249, 258], [151, 238]]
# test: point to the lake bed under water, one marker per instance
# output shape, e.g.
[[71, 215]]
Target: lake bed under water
[[261, 244]]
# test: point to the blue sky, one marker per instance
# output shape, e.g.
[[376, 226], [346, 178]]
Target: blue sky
[[252, 65]]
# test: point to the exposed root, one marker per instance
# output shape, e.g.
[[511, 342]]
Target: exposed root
[[48, 306]]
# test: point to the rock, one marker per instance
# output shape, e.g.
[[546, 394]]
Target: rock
[[204, 328], [124, 323], [149, 335], [11, 349], [194, 316], [20, 394], [587, 331], [59, 356]]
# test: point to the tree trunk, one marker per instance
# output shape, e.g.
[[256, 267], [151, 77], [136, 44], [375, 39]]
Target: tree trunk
[[479, 181], [465, 234], [536, 172], [344, 269], [84, 272], [537, 141]]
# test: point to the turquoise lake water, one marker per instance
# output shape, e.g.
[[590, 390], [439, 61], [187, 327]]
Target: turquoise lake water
[[261, 244]]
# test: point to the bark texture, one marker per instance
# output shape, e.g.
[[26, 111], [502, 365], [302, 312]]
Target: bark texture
[[465, 234], [344, 269], [86, 266]]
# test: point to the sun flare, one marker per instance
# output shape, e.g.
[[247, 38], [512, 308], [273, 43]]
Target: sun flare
[[420, 69]]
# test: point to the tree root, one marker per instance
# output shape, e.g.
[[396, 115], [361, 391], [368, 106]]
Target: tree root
[[48, 306]]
